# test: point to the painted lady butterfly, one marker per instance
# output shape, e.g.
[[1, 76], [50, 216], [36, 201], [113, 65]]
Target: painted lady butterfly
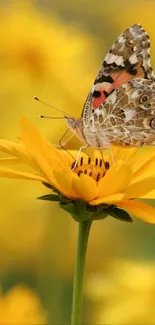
[[120, 107]]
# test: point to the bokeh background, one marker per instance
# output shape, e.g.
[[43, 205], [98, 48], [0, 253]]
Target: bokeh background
[[53, 49]]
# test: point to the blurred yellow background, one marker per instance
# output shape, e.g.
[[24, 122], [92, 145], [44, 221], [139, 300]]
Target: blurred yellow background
[[53, 49]]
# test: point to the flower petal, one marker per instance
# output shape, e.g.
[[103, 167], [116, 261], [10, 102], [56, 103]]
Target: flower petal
[[140, 188], [10, 173], [33, 141], [108, 199], [14, 149], [63, 179], [105, 153], [74, 153], [144, 162], [44, 169], [10, 161], [139, 209], [18, 152], [149, 195], [116, 180], [122, 153], [84, 187]]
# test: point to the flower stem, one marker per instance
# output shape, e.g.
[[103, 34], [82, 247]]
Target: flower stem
[[83, 234]]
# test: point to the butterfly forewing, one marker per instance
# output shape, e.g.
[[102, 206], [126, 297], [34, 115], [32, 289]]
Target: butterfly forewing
[[128, 58]]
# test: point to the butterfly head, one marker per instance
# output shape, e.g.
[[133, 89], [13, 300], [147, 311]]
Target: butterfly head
[[75, 125]]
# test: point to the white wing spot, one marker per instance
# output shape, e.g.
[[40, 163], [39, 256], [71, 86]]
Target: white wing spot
[[111, 58], [93, 88], [119, 60], [134, 48], [149, 63], [133, 59], [121, 40], [136, 93], [113, 98]]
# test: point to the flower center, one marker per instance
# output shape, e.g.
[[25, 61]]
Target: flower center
[[95, 170]]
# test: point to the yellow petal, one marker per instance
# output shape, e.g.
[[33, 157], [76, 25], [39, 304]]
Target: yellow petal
[[116, 180], [140, 188], [10, 161], [105, 154], [84, 187], [13, 149], [117, 153], [108, 199], [149, 195], [60, 157], [74, 153], [122, 153], [144, 162], [44, 169], [18, 151], [64, 178], [139, 209], [10, 173], [33, 141]]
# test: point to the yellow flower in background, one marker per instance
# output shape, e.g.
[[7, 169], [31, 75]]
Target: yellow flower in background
[[39, 55], [21, 306], [124, 294], [131, 176]]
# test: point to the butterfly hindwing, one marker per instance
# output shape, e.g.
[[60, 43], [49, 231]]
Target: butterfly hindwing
[[128, 58], [127, 117]]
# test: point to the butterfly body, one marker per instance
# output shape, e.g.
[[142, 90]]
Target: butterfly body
[[120, 107]]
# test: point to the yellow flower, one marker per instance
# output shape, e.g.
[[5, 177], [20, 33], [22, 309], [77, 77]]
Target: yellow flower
[[20, 305], [121, 184], [112, 292]]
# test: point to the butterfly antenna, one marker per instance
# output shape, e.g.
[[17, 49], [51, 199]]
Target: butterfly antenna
[[55, 108], [52, 117]]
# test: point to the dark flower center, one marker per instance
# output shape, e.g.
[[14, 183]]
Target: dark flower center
[[95, 170]]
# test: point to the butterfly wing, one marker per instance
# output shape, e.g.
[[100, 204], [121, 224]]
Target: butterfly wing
[[128, 58], [127, 117]]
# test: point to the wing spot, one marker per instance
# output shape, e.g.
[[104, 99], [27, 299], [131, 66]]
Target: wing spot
[[147, 105], [105, 93], [104, 79], [130, 67], [144, 99], [134, 48], [152, 123], [96, 93]]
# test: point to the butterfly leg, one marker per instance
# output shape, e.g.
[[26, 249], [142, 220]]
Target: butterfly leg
[[78, 155], [111, 155]]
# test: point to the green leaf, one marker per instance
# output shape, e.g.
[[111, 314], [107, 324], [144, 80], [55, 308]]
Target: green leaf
[[51, 187], [49, 197], [119, 214]]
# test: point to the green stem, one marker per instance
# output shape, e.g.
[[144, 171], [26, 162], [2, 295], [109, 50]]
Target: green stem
[[83, 234]]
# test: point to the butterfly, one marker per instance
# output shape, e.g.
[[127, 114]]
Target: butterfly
[[120, 107]]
